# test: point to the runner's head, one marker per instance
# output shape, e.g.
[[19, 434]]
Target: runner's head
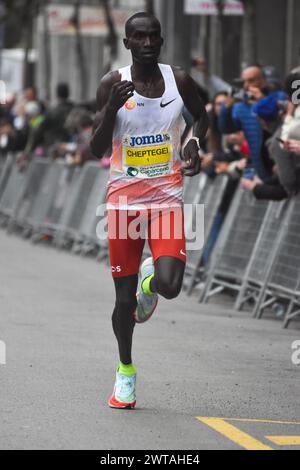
[[143, 37]]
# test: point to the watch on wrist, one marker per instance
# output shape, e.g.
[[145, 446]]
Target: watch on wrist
[[197, 140]]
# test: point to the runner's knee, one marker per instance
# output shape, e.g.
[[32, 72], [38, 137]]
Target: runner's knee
[[169, 290]]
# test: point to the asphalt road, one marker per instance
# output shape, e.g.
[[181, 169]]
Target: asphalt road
[[193, 361]]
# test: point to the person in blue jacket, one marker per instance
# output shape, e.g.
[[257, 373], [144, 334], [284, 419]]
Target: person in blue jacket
[[239, 113]]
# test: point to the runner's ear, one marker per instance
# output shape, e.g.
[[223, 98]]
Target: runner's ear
[[125, 42]]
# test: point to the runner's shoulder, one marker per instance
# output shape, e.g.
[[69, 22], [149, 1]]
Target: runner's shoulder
[[184, 81], [106, 83], [108, 80], [180, 74]]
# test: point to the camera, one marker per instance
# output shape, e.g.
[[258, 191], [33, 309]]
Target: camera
[[238, 92]]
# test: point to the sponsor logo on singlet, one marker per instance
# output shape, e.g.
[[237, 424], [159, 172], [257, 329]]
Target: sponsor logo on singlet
[[142, 140], [130, 104], [131, 171], [148, 155]]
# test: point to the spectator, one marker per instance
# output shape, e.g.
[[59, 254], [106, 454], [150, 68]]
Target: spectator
[[283, 145], [230, 158], [293, 146], [214, 135], [76, 151], [6, 109], [13, 127], [272, 78], [52, 129], [230, 161], [30, 94], [238, 114], [85, 131], [270, 189]]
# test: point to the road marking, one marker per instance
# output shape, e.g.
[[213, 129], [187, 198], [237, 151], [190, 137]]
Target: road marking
[[234, 434], [261, 421], [285, 440]]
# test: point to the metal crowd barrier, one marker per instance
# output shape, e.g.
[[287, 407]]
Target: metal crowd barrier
[[28, 197], [264, 253], [284, 279], [235, 244], [70, 228], [210, 195], [86, 240], [43, 218], [293, 310], [13, 187], [2, 162], [256, 255], [193, 189], [6, 170]]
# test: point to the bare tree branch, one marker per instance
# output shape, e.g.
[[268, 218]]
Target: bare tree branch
[[112, 38], [75, 21]]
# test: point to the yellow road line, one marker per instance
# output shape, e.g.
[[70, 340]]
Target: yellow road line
[[234, 434], [261, 421], [285, 440]]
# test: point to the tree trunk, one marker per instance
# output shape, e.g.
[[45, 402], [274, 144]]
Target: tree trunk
[[219, 38], [29, 13], [3, 16], [47, 52], [149, 6], [112, 38], [28, 24], [79, 50]]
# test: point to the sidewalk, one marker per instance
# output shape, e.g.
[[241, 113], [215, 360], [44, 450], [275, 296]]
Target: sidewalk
[[192, 361]]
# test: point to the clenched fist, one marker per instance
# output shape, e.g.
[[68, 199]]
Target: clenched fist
[[119, 94]]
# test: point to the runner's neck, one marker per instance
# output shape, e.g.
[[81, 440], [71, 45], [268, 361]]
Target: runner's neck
[[145, 73], [148, 80]]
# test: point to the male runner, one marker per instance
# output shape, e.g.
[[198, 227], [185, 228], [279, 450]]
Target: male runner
[[140, 118]]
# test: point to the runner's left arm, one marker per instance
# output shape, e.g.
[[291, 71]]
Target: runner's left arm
[[193, 102]]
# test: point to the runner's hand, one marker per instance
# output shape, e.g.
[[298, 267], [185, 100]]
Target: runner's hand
[[192, 163], [119, 94]]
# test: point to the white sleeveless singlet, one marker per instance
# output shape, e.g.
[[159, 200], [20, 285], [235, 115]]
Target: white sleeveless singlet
[[145, 161]]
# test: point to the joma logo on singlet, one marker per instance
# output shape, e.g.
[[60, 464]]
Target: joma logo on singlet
[[148, 139]]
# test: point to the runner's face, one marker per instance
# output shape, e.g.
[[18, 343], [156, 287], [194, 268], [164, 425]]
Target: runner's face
[[144, 41]]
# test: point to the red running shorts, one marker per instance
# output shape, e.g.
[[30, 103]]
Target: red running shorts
[[128, 231]]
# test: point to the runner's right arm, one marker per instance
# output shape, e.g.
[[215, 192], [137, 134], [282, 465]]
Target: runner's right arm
[[112, 94]]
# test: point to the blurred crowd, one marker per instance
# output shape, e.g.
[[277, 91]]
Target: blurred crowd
[[254, 133], [253, 136], [30, 128]]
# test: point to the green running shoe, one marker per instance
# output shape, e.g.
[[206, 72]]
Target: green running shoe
[[123, 395], [146, 303]]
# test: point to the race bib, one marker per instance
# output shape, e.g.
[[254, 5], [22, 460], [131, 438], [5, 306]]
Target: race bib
[[147, 156]]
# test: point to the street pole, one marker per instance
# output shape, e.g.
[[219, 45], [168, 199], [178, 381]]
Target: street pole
[[2, 32], [249, 52], [47, 52], [289, 34]]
